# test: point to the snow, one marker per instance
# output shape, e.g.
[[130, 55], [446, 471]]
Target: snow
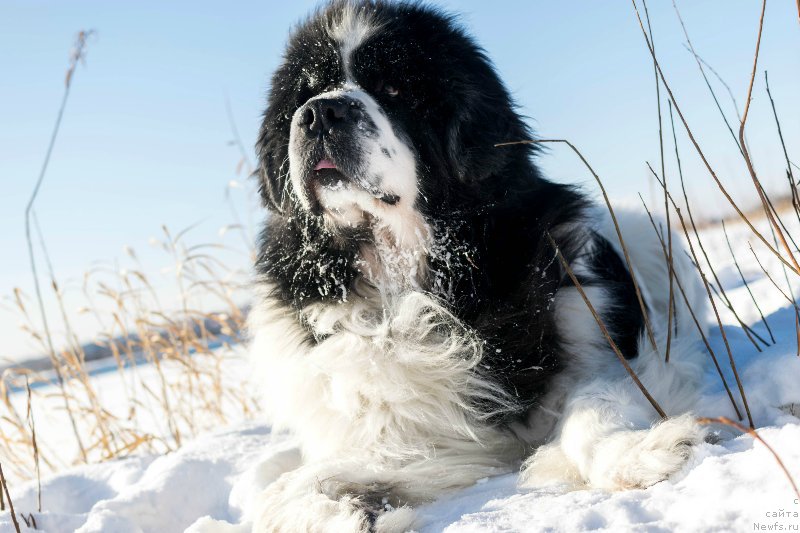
[[208, 485]]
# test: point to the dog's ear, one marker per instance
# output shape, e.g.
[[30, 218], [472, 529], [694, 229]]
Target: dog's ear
[[487, 116], [272, 168]]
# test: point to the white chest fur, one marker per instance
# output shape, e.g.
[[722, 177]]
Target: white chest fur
[[394, 381]]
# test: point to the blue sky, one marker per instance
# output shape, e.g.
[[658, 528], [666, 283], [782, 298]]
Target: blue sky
[[145, 139]]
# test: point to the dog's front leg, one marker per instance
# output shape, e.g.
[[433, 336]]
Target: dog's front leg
[[610, 437], [321, 499]]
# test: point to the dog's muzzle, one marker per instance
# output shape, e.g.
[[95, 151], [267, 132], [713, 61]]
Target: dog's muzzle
[[322, 117]]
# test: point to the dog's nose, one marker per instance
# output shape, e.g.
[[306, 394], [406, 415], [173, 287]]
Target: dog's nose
[[323, 114]]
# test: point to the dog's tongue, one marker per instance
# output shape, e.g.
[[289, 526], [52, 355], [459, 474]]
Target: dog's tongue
[[324, 163]]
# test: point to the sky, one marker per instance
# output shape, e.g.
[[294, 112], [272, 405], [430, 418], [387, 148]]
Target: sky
[[146, 136]]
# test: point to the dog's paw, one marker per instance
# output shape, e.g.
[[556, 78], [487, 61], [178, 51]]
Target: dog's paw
[[346, 515], [397, 520], [641, 458], [313, 500], [549, 466], [311, 513]]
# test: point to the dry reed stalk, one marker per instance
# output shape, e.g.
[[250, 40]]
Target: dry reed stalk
[[245, 164], [8, 498], [671, 305], [775, 213], [603, 328], [753, 433], [788, 298], [744, 282], [29, 520], [694, 317], [700, 64], [76, 56], [716, 311], [789, 174], [74, 354], [35, 446], [719, 289], [642, 306], [746, 153], [724, 297], [727, 89], [700, 152], [795, 197], [16, 449], [774, 284]]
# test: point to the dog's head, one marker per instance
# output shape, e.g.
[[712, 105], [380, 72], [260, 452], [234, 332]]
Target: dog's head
[[384, 113]]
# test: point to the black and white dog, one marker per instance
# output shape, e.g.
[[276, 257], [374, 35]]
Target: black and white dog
[[413, 324]]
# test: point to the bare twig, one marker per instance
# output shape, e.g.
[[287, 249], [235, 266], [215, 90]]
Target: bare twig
[[29, 520], [237, 139], [780, 221], [780, 134], [786, 278], [748, 331], [727, 89], [671, 304], [716, 311], [34, 444], [643, 307], [8, 498], [244, 160], [788, 298], [711, 171], [772, 280], [76, 56], [723, 296], [697, 324], [700, 64], [746, 153], [75, 355], [752, 432], [603, 328], [744, 281]]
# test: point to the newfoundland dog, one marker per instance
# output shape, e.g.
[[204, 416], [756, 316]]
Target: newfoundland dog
[[420, 320]]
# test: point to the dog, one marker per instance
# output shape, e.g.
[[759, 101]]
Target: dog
[[416, 323]]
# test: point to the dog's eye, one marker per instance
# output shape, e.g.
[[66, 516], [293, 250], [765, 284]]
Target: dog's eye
[[388, 89], [391, 90]]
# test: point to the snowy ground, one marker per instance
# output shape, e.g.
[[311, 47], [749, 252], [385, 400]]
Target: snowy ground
[[733, 485]]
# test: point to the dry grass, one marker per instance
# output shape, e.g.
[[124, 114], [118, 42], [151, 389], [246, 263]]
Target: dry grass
[[171, 360], [186, 348]]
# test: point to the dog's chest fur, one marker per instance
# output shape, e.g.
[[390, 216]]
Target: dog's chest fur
[[394, 377]]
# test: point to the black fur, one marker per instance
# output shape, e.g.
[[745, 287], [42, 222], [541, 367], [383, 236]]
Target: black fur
[[489, 206]]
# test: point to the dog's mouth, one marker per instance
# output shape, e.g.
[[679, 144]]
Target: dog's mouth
[[329, 176]]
